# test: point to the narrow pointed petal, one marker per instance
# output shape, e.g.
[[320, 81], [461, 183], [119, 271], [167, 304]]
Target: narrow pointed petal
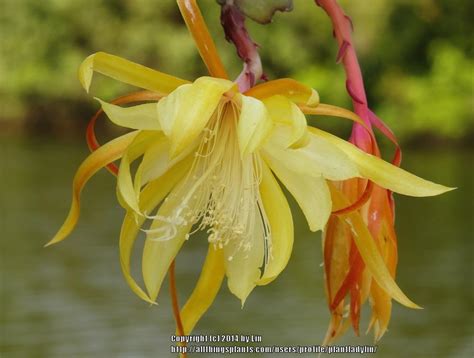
[[125, 186], [381, 172], [155, 162], [381, 310], [185, 113], [143, 116], [244, 260], [311, 193], [336, 247], [283, 111], [254, 125], [106, 154], [365, 285], [281, 226], [130, 227], [338, 325], [318, 157], [294, 90], [370, 254], [351, 277], [333, 111], [150, 197], [355, 309], [161, 250], [206, 289], [168, 108], [128, 72], [157, 257]]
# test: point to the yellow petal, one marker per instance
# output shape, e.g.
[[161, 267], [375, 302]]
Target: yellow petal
[[294, 90], [318, 157], [169, 107], [281, 226], [143, 116], [185, 112], [126, 188], [106, 154], [156, 161], [125, 185], [284, 111], [382, 173], [254, 125], [311, 193], [150, 197], [243, 261], [164, 239], [369, 252], [381, 310], [333, 111], [206, 289], [127, 72]]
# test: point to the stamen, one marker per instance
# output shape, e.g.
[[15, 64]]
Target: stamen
[[220, 194]]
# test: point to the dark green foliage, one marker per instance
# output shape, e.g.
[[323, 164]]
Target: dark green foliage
[[416, 55]]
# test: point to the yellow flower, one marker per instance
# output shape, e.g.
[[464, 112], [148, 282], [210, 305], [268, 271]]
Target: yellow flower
[[208, 156]]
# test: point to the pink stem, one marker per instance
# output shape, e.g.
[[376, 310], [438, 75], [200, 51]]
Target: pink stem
[[342, 25], [233, 22]]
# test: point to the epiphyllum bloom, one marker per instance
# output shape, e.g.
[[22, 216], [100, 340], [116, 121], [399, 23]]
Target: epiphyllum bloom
[[208, 156], [349, 278]]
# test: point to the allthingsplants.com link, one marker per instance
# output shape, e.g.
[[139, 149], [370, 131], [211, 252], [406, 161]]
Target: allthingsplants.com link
[[191, 344]]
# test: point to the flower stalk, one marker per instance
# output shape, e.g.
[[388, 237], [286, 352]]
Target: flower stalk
[[377, 209], [197, 27], [347, 55], [233, 22], [175, 303]]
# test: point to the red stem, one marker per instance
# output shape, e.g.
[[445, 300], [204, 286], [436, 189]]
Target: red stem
[[233, 22], [175, 303], [342, 25]]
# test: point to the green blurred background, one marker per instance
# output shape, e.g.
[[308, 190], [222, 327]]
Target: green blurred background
[[71, 301], [416, 57]]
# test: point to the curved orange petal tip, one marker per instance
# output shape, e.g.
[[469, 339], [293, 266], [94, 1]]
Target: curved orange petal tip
[[106, 154], [362, 200], [294, 90]]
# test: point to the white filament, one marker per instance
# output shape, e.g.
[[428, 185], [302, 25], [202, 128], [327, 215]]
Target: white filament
[[221, 191]]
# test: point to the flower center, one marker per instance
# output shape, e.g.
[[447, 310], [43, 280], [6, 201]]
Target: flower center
[[221, 193]]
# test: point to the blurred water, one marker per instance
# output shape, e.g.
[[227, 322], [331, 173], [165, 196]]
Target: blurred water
[[70, 300]]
